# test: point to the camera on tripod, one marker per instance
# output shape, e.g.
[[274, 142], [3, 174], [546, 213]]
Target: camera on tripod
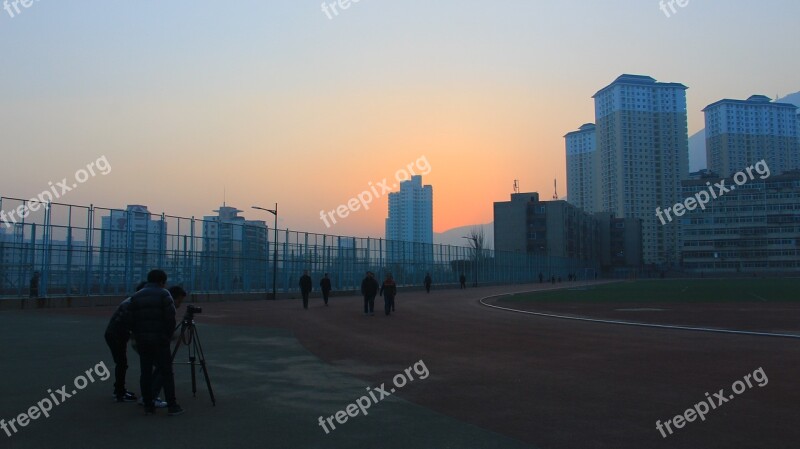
[[189, 338], [191, 309]]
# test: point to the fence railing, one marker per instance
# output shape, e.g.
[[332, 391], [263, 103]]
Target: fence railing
[[71, 250]]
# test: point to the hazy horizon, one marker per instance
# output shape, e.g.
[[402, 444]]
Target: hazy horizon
[[265, 102]]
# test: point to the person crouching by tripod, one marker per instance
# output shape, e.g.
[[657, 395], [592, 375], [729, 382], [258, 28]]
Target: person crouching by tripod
[[117, 336], [388, 291], [151, 317]]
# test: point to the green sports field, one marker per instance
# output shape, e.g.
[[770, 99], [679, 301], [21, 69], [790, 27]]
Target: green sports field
[[673, 291]]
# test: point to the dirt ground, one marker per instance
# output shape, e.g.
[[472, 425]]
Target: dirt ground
[[557, 383]]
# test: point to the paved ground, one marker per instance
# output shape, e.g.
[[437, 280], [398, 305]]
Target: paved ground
[[497, 380]]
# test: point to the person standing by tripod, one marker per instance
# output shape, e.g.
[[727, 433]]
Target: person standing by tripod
[[151, 317]]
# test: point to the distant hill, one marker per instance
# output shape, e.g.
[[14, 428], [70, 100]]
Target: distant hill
[[697, 142], [455, 236]]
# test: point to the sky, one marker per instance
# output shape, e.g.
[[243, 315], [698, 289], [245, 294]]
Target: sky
[[192, 103]]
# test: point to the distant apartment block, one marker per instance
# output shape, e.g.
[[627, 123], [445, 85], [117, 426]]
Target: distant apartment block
[[131, 242], [754, 228], [410, 219], [234, 255], [620, 242], [740, 133], [546, 228], [643, 145], [583, 168]]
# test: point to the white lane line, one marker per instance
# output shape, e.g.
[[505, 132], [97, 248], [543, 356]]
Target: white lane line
[[633, 323]]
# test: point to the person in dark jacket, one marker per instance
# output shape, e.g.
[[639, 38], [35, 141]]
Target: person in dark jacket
[[34, 285], [117, 336], [388, 291], [305, 287], [151, 317], [463, 281], [369, 288], [428, 281], [325, 287], [178, 295]]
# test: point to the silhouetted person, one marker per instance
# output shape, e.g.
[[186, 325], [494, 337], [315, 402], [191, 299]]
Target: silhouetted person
[[428, 281], [117, 336], [553, 279], [463, 281], [305, 287], [325, 287], [34, 286], [369, 288], [178, 294], [388, 291], [151, 317], [541, 278]]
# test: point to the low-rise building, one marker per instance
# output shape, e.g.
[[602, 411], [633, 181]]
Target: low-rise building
[[752, 228]]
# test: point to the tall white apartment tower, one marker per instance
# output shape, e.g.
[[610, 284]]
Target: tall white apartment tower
[[740, 133], [411, 212], [410, 220], [583, 169], [643, 143]]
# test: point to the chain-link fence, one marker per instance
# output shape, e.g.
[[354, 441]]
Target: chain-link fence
[[68, 250]]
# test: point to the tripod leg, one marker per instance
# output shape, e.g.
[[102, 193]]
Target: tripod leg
[[178, 344], [199, 351]]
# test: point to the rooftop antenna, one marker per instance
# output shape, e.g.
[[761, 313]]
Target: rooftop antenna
[[516, 186], [224, 196], [555, 187]]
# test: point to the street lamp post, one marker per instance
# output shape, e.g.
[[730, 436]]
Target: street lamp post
[[475, 268], [275, 250]]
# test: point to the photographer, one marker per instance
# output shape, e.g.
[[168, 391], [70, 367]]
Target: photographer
[[151, 317], [117, 336], [178, 294]]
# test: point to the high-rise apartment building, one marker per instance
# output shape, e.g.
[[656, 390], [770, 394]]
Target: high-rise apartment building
[[410, 220], [643, 144], [740, 133], [234, 251], [132, 243], [583, 168], [411, 212]]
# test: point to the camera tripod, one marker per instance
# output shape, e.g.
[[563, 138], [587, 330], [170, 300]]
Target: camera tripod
[[191, 340]]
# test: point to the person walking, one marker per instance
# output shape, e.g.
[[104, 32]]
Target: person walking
[[325, 287], [369, 288], [151, 317], [34, 285], [463, 281], [428, 281], [305, 287], [388, 291]]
